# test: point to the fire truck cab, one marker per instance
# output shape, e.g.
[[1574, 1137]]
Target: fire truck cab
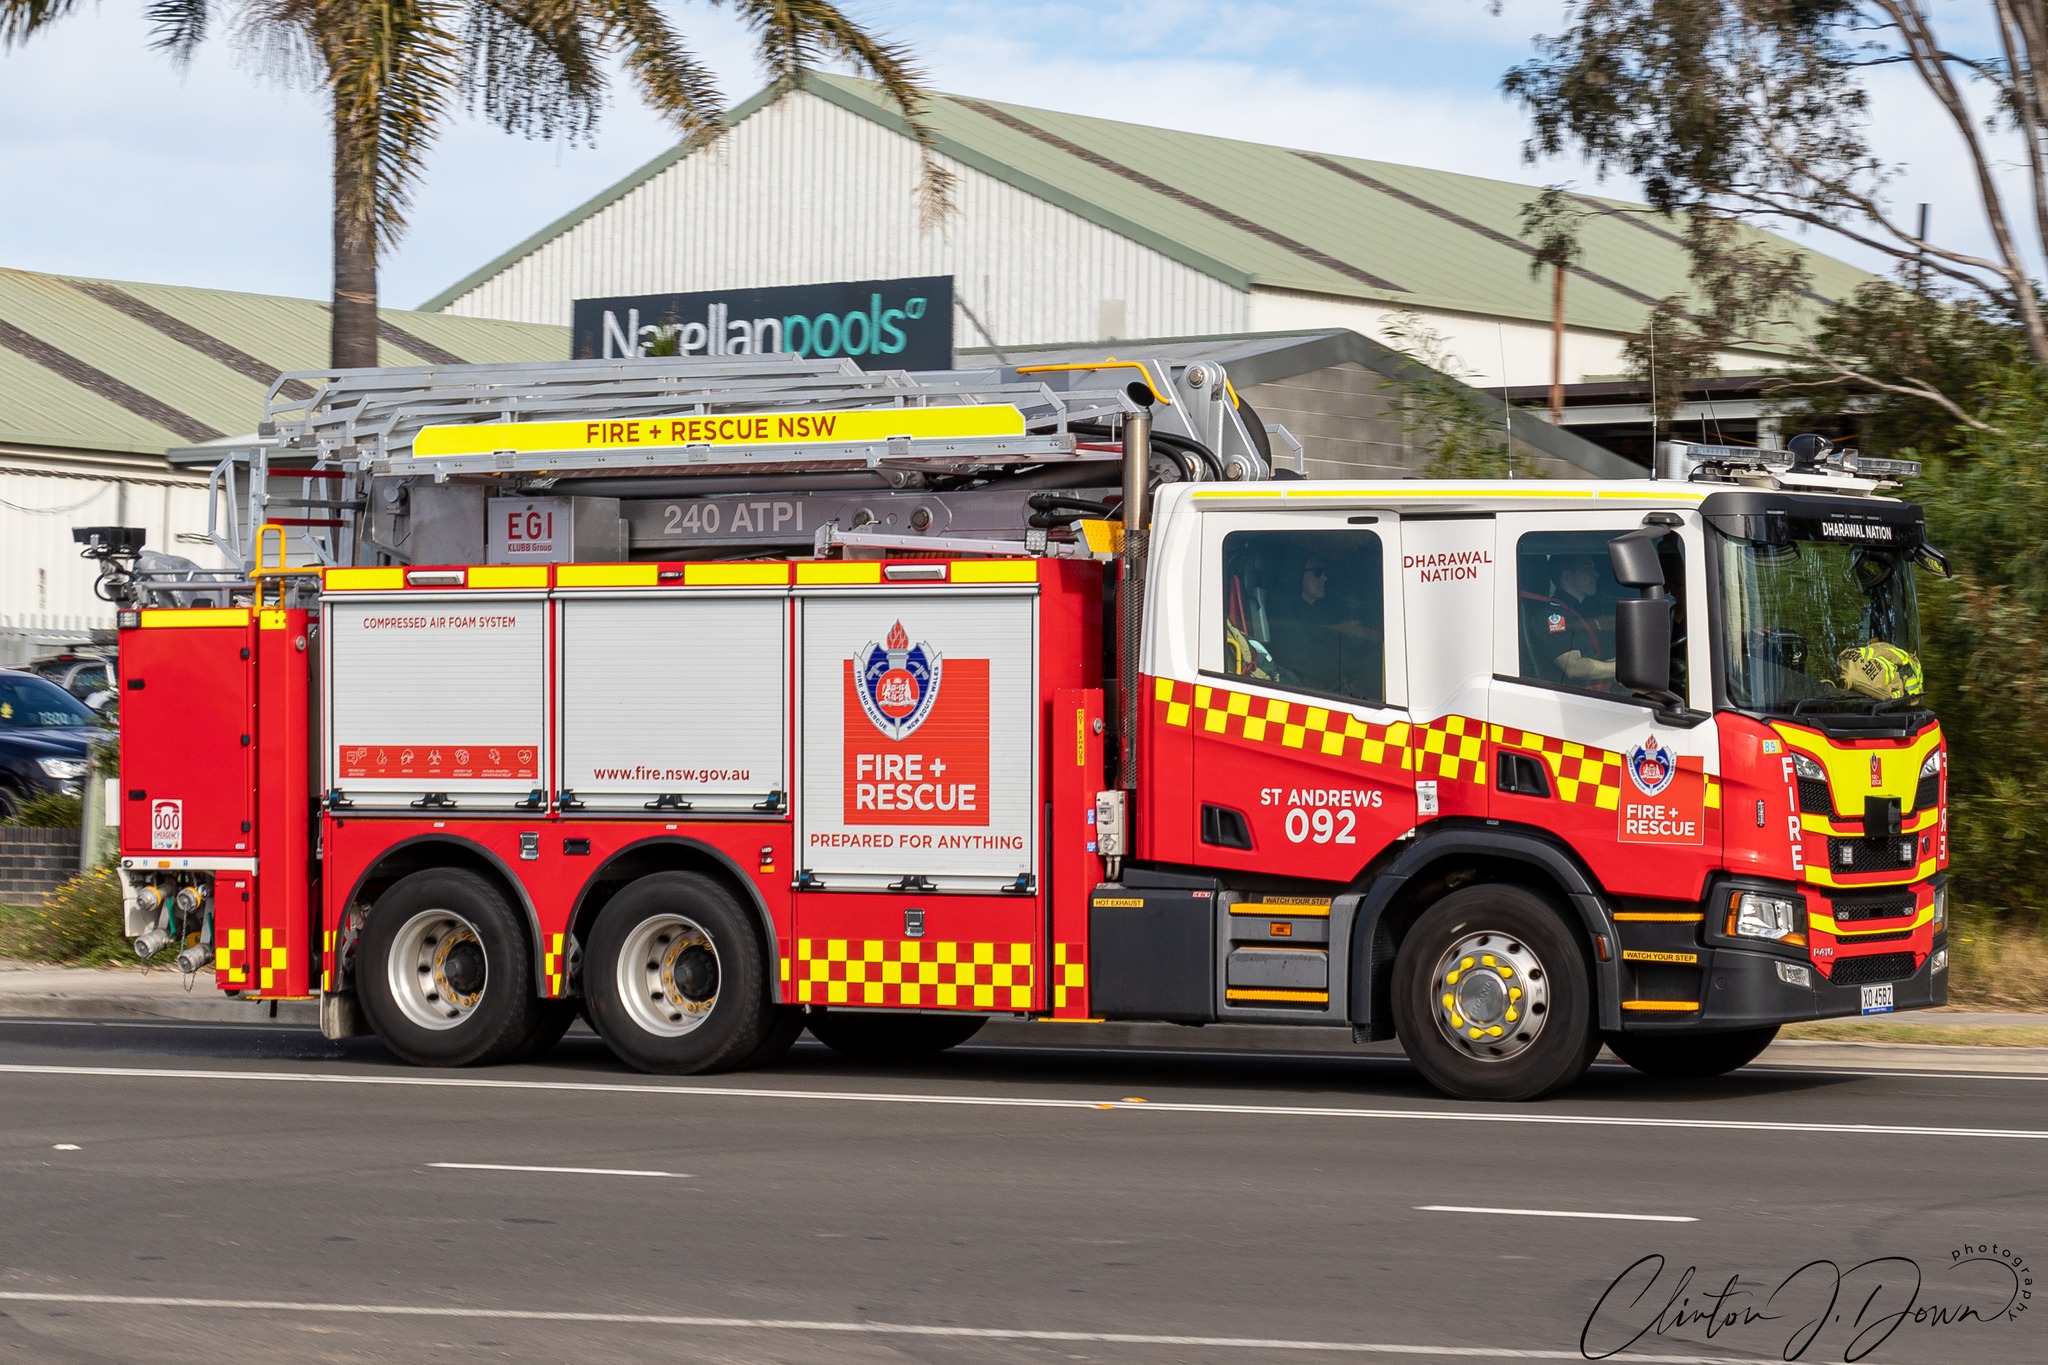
[[719, 704]]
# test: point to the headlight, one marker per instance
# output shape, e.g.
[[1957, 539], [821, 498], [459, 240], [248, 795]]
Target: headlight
[[1752, 914], [1808, 769], [1940, 963], [1932, 765], [63, 769]]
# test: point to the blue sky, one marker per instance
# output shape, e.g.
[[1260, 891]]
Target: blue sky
[[117, 164]]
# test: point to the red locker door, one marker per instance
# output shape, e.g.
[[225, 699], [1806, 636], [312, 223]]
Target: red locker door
[[187, 734]]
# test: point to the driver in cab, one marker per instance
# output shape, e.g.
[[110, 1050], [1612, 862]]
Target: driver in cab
[[1571, 632]]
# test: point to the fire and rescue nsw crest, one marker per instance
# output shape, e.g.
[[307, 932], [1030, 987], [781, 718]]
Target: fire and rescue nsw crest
[[898, 682], [1668, 802]]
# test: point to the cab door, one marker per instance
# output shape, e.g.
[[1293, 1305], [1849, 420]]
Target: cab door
[[1631, 785], [1298, 716]]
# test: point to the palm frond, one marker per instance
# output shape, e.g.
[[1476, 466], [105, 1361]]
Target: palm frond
[[678, 86], [20, 18], [794, 35], [532, 66], [178, 26]]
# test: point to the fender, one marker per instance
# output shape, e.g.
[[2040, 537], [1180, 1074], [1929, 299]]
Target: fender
[[750, 894], [1449, 839], [540, 984]]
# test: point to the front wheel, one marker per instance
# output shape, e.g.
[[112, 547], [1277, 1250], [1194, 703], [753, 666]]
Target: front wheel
[[876, 1036], [674, 977], [1492, 996], [1691, 1056], [446, 971]]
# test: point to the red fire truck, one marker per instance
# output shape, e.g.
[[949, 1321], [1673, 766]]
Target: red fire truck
[[719, 700]]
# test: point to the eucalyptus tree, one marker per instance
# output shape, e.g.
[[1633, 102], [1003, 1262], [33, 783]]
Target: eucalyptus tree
[[395, 72]]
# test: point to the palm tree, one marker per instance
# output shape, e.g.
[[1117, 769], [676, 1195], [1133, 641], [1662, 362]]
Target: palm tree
[[395, 71]]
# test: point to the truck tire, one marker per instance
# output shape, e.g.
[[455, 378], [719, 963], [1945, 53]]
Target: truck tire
[[551, 1020], [1492, 996], [881, 1037], [446, 974], [674, 977], [1691, 1056], [785, 1026]]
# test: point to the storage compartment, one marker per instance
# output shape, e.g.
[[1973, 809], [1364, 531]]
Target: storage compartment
[[189, 720], [1283, 969]]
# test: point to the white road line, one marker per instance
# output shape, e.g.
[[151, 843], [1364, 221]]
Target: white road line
[[1539, 1118], [885, 1329], [1557, 1213], [551, 1170]]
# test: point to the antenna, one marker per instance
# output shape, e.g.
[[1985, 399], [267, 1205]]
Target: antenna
[[1653, 395], [1507, 413]]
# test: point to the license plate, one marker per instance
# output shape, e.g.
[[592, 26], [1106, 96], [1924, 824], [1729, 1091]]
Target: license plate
[[1877, 999]]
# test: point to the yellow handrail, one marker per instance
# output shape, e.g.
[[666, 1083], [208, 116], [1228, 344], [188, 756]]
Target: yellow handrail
[[1110, 363]]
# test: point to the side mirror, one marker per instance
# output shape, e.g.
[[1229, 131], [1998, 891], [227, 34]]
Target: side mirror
[[1633, 558], [1642, 645]]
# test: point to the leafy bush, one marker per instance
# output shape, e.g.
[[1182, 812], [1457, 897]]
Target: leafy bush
[[78, 925], [51, 810]]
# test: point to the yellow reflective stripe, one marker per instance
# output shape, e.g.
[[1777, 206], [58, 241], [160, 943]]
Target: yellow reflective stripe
[[865, 571], [1827, 924], [271, 618], [1308, 997], [1442, 494], [364, 580], [509, 576], [735, 429], [1655, 917], [192, 618], [606, 575], [1668, 1006], [735, 575], [1819, 876], [1282, 909], [995, 571]]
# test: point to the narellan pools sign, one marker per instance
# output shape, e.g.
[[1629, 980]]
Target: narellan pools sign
[[879, 324], [855, 426]]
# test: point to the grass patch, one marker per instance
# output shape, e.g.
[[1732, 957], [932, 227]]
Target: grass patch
[[1993, 967], [78, 926], [1869, 1031]]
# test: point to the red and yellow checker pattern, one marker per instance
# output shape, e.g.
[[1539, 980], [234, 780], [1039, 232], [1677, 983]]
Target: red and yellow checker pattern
[[1450, 747], [1069, 974], [273, 958], [913, 973], [554, 965], [231, 958]]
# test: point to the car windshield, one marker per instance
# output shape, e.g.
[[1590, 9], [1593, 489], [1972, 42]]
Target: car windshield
[[29, 702], [1819, 626]]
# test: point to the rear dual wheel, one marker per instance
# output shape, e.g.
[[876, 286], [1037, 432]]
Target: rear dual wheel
[[676, 980]]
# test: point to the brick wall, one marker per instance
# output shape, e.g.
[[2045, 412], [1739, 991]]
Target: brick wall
[[34, 862]]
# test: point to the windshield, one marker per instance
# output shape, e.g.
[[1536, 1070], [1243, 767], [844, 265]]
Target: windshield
[[1819, 626], [29, 702]]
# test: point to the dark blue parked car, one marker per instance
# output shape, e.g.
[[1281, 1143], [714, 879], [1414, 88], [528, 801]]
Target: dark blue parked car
[[45, 740]]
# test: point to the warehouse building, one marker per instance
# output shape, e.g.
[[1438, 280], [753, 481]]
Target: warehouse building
[[1073, 230], [99, 379]]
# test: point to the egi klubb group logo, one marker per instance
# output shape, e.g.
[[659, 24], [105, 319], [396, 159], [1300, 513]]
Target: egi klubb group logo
[[898, 683]]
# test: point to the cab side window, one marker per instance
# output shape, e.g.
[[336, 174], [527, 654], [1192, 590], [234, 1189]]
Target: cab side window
[[1567, 593], [1306, 610]]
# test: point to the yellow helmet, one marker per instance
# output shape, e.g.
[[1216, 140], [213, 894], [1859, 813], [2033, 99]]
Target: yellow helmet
[[1880, 670]]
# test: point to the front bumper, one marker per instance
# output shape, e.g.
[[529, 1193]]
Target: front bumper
[[1741, 988]]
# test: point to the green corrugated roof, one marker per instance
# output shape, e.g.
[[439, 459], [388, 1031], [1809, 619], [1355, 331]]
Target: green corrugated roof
[[138, 368], [1251, 214]]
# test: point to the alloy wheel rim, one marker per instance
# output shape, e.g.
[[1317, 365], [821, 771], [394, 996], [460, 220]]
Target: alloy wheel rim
[[438, 970], [1490, 995], [669, 975]]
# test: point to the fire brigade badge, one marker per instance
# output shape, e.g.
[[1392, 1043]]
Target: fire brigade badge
[[1651, 767], [898, 682], [1556, 622]]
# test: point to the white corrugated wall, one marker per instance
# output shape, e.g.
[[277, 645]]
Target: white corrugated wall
[[804, 192], [45, 587]]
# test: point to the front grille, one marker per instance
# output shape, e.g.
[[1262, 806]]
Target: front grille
[[1925, 796], [1848, 909], [1813, 796], [1865, 971], [1873, 855]]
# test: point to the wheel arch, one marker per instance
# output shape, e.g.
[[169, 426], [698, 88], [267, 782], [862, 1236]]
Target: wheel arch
[[1451, 855], [423, 852], [676, 853]]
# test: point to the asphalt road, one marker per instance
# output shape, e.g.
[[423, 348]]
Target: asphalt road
[[231, 1193]]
